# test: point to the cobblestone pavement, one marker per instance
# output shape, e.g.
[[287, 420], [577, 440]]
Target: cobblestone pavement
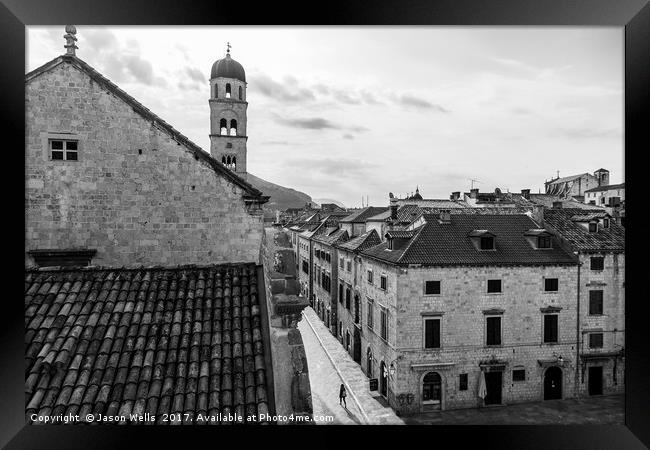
[[607, 410], [329, 366]]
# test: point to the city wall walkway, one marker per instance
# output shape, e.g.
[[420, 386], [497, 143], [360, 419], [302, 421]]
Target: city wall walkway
[[319, 344]]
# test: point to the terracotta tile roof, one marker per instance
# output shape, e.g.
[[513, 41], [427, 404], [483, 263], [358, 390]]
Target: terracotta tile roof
[[606, 239], [606, 188], [333, 237], [362, 214], [361, 242], [582, 217], [139, 108], [569, 178], [149, 340], [449, 244]]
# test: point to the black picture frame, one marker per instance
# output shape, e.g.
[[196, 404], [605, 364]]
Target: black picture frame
[[634, 15]]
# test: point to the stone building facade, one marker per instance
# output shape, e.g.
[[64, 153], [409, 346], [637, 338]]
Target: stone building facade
[[425, 335], [105, 173], [599, 242], [325, 272]]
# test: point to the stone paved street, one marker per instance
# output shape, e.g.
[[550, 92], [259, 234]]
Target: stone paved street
[[587, 411], [325, 378]]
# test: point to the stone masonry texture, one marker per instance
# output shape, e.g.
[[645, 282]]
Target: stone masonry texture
[[135, 194]]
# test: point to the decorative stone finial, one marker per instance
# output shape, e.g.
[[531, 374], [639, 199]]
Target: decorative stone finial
[[70, 39], [228, 46]]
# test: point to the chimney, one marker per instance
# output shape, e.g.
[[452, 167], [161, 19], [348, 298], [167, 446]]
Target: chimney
[[455, 196], [557, 205], [393, 209], [525, 193], [538, 214], [473, 193], [445, 216]]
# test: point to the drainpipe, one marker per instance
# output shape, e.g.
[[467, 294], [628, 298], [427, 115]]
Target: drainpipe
[[577, 375]]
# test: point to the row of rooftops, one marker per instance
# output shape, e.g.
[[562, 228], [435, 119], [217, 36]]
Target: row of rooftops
[[437, 236]]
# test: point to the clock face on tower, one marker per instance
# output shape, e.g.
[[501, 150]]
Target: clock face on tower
[[228, 107]]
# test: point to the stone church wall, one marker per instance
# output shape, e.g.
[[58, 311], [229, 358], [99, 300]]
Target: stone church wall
[[135, 194]]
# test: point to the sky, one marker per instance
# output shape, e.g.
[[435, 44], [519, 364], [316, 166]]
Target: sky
[[349, 112]]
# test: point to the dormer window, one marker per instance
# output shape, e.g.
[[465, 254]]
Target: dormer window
[[593, 227], [487, 243], [543, 242], [605, 223], [483, 240], [539, 238]]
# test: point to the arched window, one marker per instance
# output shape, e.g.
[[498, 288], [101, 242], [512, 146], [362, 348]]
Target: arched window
[[227, 90], [228, 160], [216, 91], [223, 126], [234, 162], [240, 93], [233, 127], [223, 160]]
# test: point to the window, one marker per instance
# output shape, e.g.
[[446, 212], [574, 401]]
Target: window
[[61, 150], [432, 333], [519, 375], [551, 284], [228, 90], [305, 267], [544, 242], [593, 227], [341, 263], [340, 292], [462, 382], [369, 276], [370, 313], [349, 266], [605, 223], [432, 287], [233, 127], [347, 298], [487, 243], [596, 340], [493, 331], [597, 263], [595, 302], [384, 324], [382, 282], [357, 309], [240, 93], [494, 286], [550, 328]]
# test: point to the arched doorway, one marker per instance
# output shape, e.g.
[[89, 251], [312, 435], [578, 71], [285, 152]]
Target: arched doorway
[[383, 380], [432, 391], [553, 383], [356, 346]]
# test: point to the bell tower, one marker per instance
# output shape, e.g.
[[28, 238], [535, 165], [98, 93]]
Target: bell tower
[[228, 114]]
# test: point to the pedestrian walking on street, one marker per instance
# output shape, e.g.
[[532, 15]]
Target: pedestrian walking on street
[[342, 394]]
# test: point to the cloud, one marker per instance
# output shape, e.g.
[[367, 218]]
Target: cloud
[[314, 123], [342, 168], [277, 143], [589, 133], [286, 92], [317, 123], [410, 100], [521, 111], [122, 62], [195, 74], [348, 136]]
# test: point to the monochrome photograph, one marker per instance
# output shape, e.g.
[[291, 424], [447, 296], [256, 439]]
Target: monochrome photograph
[[324, 225]]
